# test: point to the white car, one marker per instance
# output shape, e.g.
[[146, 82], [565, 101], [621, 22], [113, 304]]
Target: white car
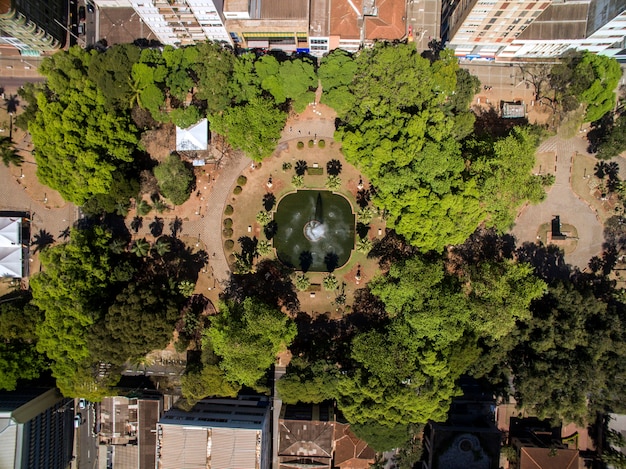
[[82, 403], [78, 419]]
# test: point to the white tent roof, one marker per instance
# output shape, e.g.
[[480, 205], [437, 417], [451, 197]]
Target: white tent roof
[[10, 247], [193, 138]]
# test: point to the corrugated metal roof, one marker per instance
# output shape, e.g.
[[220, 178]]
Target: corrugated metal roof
[[284, 9], [183, 447], [235, 448]]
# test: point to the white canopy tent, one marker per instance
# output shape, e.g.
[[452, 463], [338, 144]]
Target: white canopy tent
[[194, 138], [10, 247]]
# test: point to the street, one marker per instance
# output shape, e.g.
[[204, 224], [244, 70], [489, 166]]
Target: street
[[86, 440]]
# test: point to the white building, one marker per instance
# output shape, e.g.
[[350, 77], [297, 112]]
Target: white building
[[598, 26], [528, 29], [183, 22]]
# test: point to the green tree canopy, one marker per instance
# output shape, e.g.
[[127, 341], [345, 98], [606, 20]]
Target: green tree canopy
[[208, 382], [569, 362], [72, 291], [19, 358], [214, 69], [247, 337], [175, 179], [151, 311], [404, 141], [587, 78], [504, 169], [110, 71], [80, 141], [254, 127]]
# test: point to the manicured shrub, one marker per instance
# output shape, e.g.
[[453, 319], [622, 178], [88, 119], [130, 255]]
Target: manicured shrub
[[311, 143], [237, 190], [300, 145], [229, 244], [227, 232], [321, 143], [241, 180], [228, 223], [229, 210]]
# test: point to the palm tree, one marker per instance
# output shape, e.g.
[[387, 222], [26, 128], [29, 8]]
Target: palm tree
[[9, 153], [140, 247], [160, 206], [143, 208], [121, 209], [161, 247], [117, 246]]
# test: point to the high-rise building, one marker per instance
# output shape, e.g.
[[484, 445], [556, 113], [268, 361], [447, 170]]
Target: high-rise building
[[33, 26], [36, 429], [531, 29]]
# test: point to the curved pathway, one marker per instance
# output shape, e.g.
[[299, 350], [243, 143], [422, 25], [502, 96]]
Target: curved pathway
[[561, 200]]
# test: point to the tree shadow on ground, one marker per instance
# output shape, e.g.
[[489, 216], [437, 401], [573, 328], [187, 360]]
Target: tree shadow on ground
[[271, 283], [136, 224], [306, 259], [483, 244], [269, 200], [391, 249], [489, 123], [548, 261], [176, 226], [331, 260], [65, 234], [41, 240], [270, 229], [248, 248], [156, 227], [320, 338]]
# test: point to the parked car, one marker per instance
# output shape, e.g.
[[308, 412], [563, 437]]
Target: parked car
[[90, 7], [81, 29], [81, 14], [82, 403], [78, 420]]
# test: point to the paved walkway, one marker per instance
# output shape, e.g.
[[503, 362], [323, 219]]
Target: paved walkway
[[561, 200], [14, 197]]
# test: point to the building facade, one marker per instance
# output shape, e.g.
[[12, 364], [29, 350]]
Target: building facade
[[527, 29], [33, 27], [36, 429]]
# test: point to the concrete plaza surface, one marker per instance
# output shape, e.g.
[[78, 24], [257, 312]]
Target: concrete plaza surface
[[561, 200]]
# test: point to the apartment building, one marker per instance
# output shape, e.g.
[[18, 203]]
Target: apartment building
[[528, 29], [33, 27]]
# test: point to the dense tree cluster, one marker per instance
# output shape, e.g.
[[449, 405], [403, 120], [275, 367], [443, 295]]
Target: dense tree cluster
[[405, 122], [86, 119], [103, 306]]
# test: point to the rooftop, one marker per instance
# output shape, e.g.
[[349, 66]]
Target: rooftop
[[284, 9], [548, 458], [557, 22]]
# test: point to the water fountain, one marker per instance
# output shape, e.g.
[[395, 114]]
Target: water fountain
[[313, 227]]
